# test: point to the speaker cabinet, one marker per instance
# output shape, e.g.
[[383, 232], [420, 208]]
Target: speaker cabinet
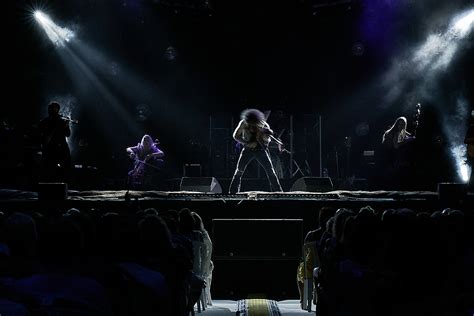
[[52, 191], [200, 184], [257, 238], [313, 184]]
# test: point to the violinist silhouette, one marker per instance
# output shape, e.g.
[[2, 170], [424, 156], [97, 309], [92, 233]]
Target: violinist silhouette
[[56, 156], [255, 134], [148, 159]]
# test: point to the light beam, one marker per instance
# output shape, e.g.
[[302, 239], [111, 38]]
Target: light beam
[[58, 35]]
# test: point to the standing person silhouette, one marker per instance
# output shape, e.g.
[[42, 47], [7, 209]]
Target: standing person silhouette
[[396, 155], [56, 156], [254, 133]]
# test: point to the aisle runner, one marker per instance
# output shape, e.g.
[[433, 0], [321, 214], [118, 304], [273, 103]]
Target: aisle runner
[[257, 307]]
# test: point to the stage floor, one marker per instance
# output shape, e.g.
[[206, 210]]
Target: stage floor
[[121, 195], [418, 200]]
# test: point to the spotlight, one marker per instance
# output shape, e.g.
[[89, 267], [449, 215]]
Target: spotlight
[[464, 172], [459, 153], [463, 24], [38, 15], [58, 35]]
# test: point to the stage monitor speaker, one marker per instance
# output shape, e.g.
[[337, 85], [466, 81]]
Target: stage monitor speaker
[[200, 184], [52, 191], [313, 184]]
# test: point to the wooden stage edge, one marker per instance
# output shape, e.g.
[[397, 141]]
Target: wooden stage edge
[[391, 199]]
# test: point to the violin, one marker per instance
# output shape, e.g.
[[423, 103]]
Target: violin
[[68, 119]]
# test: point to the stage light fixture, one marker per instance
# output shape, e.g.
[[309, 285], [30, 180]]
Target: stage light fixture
[[58, 35]]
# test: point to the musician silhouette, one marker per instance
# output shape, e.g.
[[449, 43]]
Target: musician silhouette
[[148, 159], [254, 133], [396, 156], [56, 156]]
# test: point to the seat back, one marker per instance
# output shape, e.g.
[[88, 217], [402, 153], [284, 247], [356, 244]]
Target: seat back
[[206, 253], [8, 307], [198, 257], [311, 259]]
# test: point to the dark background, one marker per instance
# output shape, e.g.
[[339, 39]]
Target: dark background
[[292, 56]]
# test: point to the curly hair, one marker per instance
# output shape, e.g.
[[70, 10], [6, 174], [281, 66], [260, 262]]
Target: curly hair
[[252, 116]]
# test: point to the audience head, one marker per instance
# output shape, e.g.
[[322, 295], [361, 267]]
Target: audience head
[[325, 213], [72, 212], [339, 221], [387, 215], [154, 234], [85, 223], [21, 234], [151, 211], [186, 221], [329, 226], [367, 210], [436, 215], [198, 224]]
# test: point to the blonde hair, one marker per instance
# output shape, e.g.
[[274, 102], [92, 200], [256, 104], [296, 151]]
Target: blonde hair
[[146, 136], [392, 132]]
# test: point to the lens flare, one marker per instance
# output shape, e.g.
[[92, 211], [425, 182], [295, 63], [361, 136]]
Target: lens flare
[[464, 172], [458, 152], [58, 35], [463, 24]]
